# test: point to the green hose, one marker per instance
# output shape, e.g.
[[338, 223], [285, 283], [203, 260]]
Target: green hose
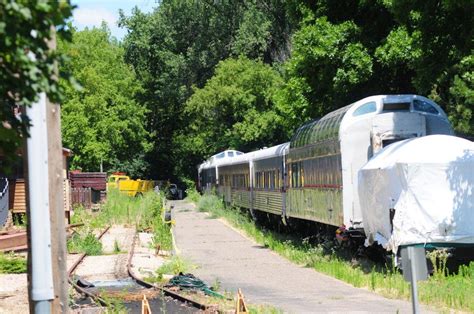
[[189, 282]]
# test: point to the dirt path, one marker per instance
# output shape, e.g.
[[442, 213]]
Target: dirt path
[[224, 255]]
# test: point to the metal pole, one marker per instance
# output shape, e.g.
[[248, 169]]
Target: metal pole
[[414, 288], [42, 277]]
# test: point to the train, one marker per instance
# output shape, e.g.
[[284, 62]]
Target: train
[[315, 176]]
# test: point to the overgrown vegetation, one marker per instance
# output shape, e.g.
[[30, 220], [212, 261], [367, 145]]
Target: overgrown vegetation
[[442, 289], [85, 242], [145, 212], [102, 122], [174, 266], [246, 74], [12, 264]]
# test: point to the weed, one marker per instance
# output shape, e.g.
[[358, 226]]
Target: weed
[[116, 247], [174, 266], [114, 304], [264, 309], [19, 220], [84, 243], [216, 285], [12, 264]]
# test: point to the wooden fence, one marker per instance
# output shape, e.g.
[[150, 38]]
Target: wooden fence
[[81, 196]]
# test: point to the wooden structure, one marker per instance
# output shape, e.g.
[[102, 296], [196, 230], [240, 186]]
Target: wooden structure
[[240, 307], [145, 306], [87, 188], [17, 187]]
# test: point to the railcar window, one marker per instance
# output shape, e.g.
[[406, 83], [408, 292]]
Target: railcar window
[[230, 154], [221, 155], [295, 180], [396, 106], [365, 109], [301, 174], [423, 106]]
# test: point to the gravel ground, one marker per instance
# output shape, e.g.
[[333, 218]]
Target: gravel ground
[[121, 235], [144, 261], [111, 266], [13, 294]]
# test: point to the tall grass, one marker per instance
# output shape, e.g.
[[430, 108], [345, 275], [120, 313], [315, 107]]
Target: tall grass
[[144, 212], [453, 291]]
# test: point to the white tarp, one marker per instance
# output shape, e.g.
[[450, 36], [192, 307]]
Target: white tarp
[[429, 181]]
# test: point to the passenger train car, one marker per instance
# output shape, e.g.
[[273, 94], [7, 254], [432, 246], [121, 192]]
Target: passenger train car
[[314, 176]]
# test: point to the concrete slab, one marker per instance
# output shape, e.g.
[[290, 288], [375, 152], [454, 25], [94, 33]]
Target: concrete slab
[[225, 255]]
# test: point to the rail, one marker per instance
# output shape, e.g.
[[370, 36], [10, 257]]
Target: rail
[[140, 282]]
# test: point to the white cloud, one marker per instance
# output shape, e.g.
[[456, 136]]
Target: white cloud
[[93, 17]]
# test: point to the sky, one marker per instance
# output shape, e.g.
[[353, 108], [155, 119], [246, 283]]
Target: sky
[[91, 13]]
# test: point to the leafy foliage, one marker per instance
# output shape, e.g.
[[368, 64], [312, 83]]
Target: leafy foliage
[[234, 109], [27, 63], [179, 45], [327, 67], [84, 243], [245, 74], [102, 121]]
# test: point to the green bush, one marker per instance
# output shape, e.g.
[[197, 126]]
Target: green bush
[[11, 264], [84, 243]]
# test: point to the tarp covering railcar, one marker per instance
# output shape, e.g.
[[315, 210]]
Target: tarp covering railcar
[[419, 191]]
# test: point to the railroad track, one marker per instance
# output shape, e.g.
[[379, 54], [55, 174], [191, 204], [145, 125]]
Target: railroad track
[[147, 287]]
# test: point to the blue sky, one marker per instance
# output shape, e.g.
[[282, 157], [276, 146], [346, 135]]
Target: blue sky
[[91, 13]]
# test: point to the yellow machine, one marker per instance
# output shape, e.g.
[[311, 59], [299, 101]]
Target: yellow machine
[[129, 186]]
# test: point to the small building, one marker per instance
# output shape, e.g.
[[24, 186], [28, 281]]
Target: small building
[[87, 188]]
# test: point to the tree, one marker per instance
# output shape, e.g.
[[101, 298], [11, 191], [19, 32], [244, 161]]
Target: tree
[[438, 36], [178, 46], [233, 110], [347, 50], [328, 67], [27, 63], [102, 122]]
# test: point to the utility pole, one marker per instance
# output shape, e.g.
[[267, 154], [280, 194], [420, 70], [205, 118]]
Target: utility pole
[[56, 209], [56, 201]]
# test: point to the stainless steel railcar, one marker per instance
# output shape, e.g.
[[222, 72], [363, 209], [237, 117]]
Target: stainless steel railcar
[[316, 178], [208, 176]]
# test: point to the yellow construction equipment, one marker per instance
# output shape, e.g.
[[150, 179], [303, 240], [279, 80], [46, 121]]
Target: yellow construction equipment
[[124, 184]]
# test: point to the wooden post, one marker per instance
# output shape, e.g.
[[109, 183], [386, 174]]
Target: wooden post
[[28, 225], [56, 201], [56, 209]]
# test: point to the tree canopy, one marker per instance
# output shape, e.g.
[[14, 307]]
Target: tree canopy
[[102, 121], [234, 109], [27, 63], [246, 74]]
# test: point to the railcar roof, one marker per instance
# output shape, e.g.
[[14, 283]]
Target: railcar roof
[[219, 158], [319, 129], [240, 159], [274, 151], [328, 126]]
